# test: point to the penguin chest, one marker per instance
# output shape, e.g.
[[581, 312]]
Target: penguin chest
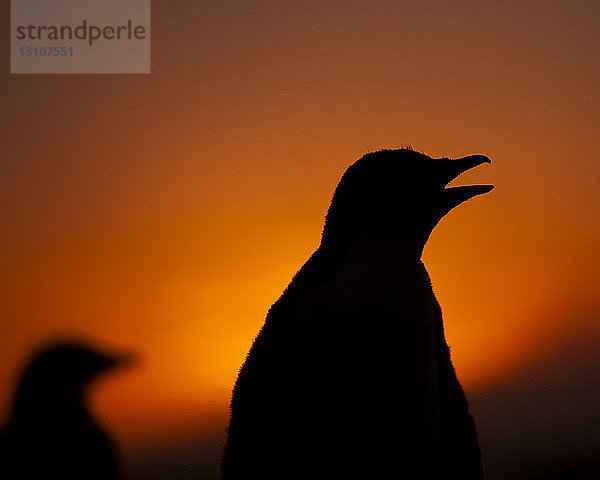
[[359, 373], [369, 313]]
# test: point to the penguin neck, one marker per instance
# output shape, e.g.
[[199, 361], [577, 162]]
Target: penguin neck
[[377, 251], [50, 403], [402, 240]]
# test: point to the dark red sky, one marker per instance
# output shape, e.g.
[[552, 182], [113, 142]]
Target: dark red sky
[[164, 213]]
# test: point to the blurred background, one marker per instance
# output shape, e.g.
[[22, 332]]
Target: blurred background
[[165, 213]]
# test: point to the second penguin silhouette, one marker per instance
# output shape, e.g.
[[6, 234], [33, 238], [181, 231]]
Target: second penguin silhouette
[[351, 377], [51, 433]]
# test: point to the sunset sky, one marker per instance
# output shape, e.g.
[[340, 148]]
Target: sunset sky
[[164, 213]]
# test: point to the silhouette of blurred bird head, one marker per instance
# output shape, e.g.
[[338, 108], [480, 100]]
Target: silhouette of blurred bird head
[[398, 195], [62, 372]]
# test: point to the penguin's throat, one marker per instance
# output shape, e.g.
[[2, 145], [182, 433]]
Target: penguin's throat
[[381, 253]]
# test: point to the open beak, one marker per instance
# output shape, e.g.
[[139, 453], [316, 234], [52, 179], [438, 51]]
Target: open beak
[[454, 196]]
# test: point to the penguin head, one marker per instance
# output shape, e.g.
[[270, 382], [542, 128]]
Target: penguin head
[[62, 372], [399, 196]]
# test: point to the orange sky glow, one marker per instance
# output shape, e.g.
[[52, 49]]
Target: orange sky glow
[[164, 214]]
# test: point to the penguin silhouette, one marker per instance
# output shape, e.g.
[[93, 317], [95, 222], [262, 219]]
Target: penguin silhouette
[[350, 376], [51, 432]]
